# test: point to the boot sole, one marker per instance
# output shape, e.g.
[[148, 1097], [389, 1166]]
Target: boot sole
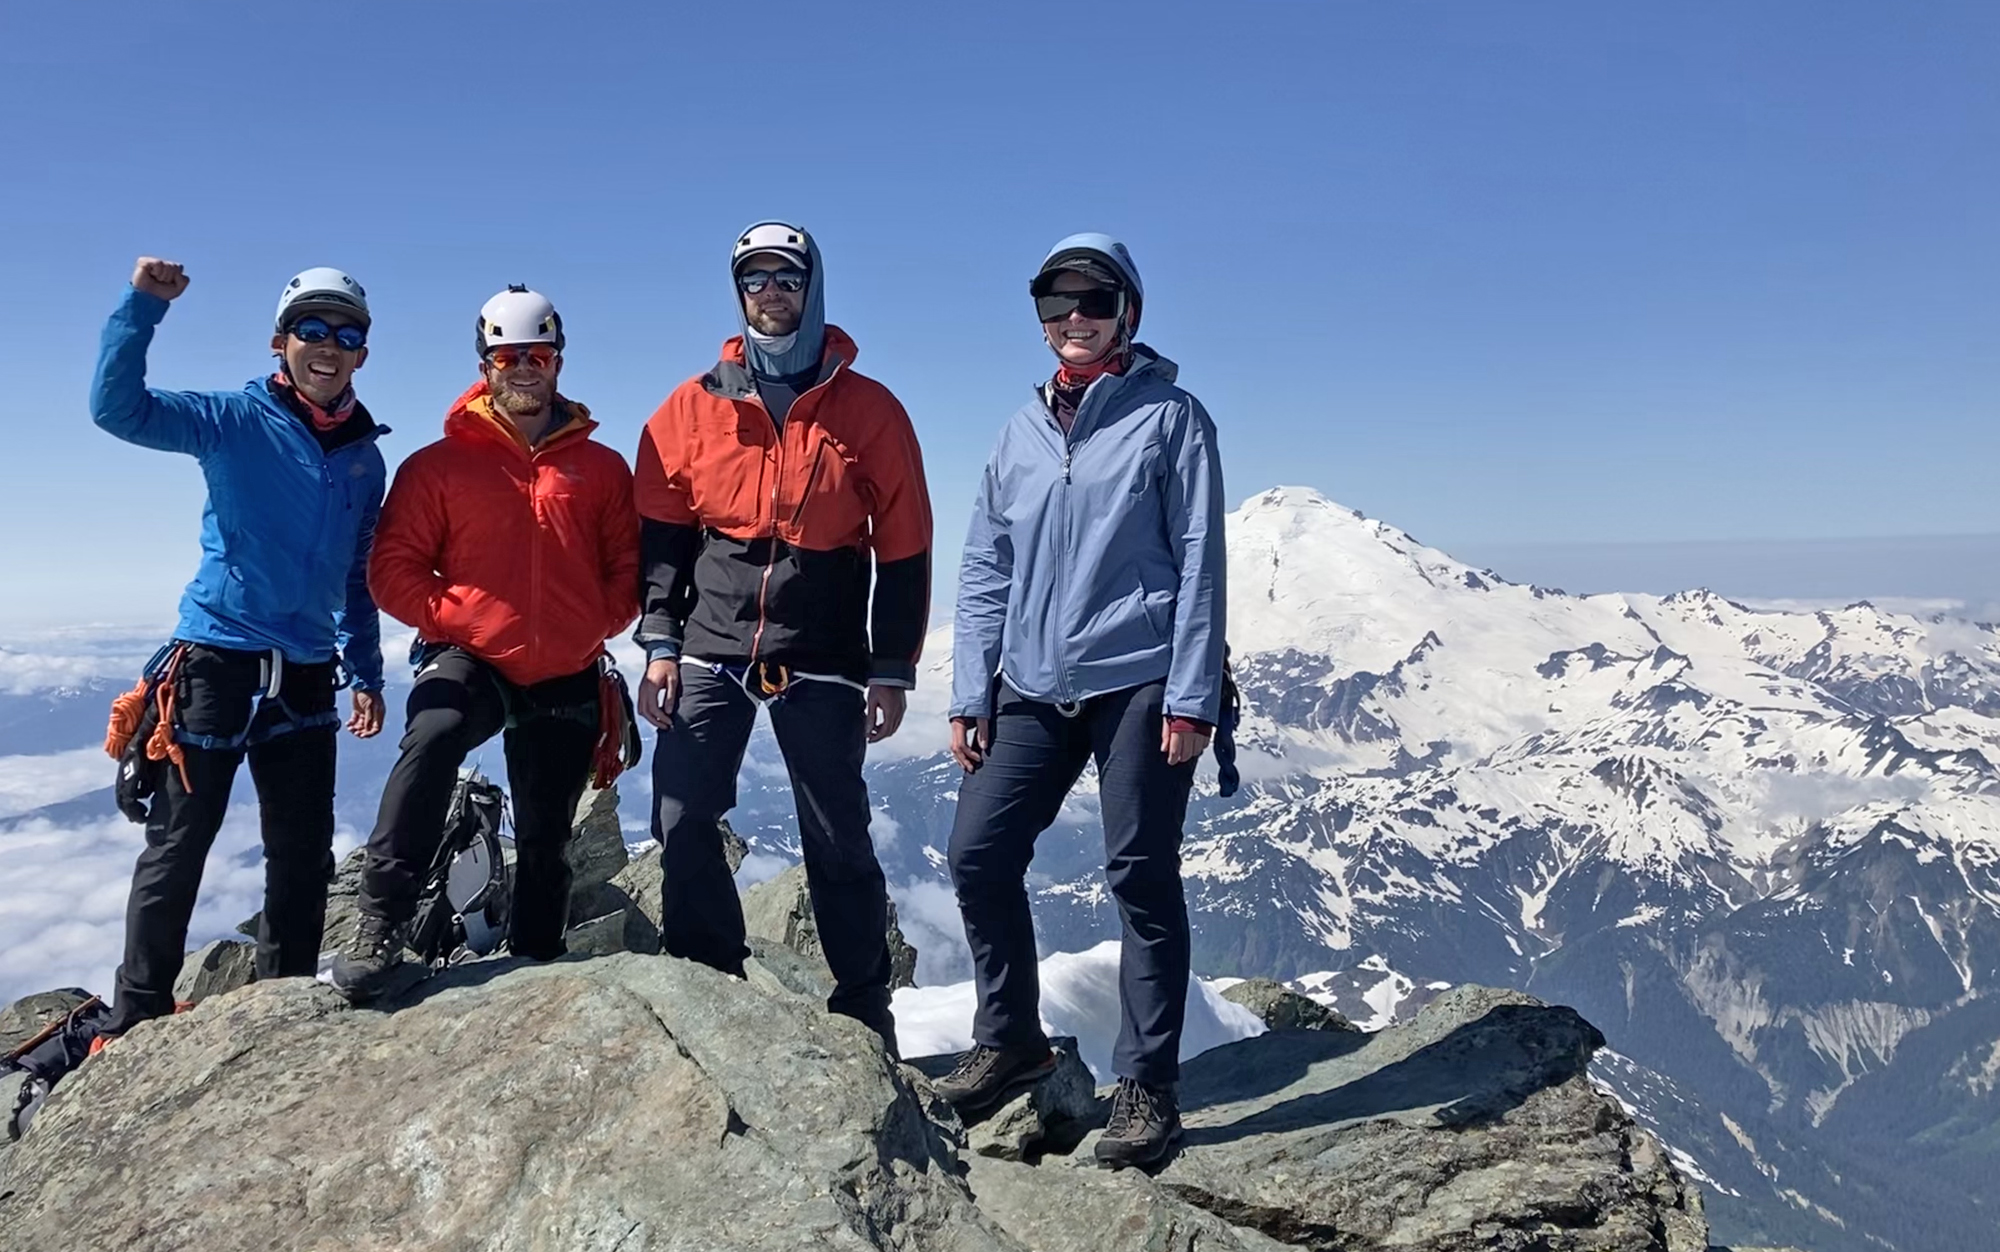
[[375, 986], [1139, 1159]]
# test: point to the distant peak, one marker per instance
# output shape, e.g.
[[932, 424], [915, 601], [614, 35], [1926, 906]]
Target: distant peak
[[1292, 498]]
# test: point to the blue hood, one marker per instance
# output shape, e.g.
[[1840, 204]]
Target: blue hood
[[809, 341]]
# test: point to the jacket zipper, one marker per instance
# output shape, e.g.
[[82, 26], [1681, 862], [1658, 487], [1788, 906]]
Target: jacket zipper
[[777, 482], [771, 556], [812, 479], [535, 561], [1062, 547]]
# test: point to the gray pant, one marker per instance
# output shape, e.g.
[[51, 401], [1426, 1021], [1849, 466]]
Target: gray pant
[[822, 734]]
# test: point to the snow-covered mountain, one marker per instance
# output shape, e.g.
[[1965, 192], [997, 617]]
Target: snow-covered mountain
[[1759, 849]]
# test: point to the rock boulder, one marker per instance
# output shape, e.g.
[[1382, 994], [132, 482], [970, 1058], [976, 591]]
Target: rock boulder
[[644, 1104], [223, 965], [628, 1103], [1281, 1008], [781, 909]]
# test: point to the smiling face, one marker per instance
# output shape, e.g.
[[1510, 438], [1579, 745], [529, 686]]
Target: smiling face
[[1077, 339], [522, 380], [772, 311], [321, 371]]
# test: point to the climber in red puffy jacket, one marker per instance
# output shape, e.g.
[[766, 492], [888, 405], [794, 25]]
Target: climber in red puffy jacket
[[512, 545]]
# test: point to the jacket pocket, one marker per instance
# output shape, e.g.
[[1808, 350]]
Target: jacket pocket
[[830, 510], [812, 480], [1149, 470]]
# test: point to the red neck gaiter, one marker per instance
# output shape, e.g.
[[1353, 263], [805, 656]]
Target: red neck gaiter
[[1071, 381], [323, 420], [1072, 376]]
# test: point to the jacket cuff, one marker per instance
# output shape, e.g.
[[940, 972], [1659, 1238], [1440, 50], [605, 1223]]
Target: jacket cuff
[[893, 674], [663, 650], [1190, 726], [147, 307]]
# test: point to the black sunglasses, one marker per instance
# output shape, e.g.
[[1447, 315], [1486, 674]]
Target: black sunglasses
[[1096, 302], [750, 282], [316, 330]]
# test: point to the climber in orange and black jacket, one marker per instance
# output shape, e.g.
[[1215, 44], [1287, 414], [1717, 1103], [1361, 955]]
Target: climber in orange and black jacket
[[785, 541]]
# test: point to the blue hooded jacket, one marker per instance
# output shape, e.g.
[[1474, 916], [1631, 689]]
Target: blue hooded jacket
[[1095, 560], [287, 528]]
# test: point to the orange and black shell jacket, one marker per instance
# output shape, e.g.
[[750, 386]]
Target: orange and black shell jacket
[[757, 539], [526, 557]]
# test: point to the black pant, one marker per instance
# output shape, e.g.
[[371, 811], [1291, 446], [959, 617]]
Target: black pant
[[1036, 757], [458, 703], [292, 768], [822, 734]]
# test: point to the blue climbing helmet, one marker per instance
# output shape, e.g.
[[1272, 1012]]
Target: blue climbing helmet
[[1095, 255]]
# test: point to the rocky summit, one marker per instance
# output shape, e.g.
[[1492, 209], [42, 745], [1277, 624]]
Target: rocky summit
[[644, 1104]]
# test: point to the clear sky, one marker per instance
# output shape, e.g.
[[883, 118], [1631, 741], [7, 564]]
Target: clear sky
[[1499, 273]]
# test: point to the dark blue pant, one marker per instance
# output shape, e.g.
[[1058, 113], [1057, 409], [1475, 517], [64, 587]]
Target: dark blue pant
[[822, 733], [1036, 757]]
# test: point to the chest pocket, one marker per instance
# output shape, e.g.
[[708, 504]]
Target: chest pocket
[[1149, 468], [728, 465], [832, 502]]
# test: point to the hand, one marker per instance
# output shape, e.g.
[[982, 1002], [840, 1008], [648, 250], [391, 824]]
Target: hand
[[660, 692], [367, 720], [971, 737], [1181, 746], [165, 279], [886, 706]]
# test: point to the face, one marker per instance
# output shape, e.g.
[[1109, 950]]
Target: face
[[522, 379], [321, 371], [772, 311], [1077, 339]]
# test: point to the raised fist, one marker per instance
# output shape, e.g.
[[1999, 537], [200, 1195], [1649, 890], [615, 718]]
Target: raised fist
[[165, 279]]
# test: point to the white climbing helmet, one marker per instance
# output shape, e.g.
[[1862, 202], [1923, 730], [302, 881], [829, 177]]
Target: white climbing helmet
[[321, 289], [780, 237], [518, 315]]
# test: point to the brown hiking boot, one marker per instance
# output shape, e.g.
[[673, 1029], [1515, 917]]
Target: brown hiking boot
[[986, 1077], [1145, 1126]]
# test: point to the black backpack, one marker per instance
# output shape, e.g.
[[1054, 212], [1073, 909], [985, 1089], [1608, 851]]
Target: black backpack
[[31, 1071], [463, 907]]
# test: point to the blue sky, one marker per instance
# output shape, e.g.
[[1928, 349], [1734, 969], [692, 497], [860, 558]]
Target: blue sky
[[1501, 274]]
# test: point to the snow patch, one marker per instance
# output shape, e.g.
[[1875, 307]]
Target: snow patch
[[1080, 998]]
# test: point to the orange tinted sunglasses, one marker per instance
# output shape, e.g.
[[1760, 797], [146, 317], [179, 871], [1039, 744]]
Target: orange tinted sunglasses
[[540, 357]]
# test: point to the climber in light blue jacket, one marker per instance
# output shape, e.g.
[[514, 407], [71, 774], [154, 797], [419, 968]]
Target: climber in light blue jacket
[[1089, 628], [1095, 559]]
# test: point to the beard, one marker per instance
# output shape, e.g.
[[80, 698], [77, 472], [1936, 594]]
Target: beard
[[519, 403], [782, 322]]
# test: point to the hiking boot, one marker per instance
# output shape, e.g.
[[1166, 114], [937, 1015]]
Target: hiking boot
[[361, 970], [1145, 1126], [986, 1077]]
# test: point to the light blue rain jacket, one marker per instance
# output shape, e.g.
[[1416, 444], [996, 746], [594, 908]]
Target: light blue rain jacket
[[1095, 561]]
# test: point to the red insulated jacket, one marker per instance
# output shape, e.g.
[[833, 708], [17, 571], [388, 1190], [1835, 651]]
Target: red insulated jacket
[[528, 558]]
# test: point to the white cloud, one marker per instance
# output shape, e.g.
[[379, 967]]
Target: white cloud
[[29, 782], [48, 660], [883, 829], [62, 915], [927, 911], [759, 867], [1080, 998]]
